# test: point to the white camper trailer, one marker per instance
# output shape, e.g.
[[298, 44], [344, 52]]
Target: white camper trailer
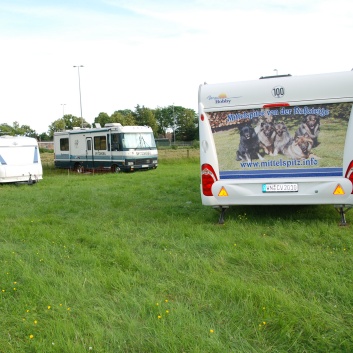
[[19, 160], [111, 148], [279, 140]]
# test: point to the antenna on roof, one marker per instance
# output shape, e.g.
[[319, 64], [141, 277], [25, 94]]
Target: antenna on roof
[[275, 76]]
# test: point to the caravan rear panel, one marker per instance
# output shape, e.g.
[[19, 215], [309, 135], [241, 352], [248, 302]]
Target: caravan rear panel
[[19, 160], [277, 141]]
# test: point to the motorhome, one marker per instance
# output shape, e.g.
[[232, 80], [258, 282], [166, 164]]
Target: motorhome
[[278, 140], [111, 148], [19, 160]]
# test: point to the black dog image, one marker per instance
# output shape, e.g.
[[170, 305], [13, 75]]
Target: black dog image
[[311, 127], [248, 145]]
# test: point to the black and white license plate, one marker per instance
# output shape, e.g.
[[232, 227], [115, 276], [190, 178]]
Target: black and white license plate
[[279, 187]]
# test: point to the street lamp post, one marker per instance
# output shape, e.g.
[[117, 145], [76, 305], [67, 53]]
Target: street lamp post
[[174, 124], [79, 89], [63, 105]]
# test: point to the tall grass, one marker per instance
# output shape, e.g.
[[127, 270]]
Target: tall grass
[[134, 263]]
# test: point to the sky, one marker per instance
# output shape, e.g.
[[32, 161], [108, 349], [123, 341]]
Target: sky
[[156, 53]]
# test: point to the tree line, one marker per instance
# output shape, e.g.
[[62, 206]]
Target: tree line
[[176, 120]]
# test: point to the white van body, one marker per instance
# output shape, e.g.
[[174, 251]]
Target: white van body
[[19, 160], [111, 148], [257, 146]]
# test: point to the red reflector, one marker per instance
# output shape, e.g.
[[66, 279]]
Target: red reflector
[[274, 105], [208, 177], [202, 117], [349, 174]]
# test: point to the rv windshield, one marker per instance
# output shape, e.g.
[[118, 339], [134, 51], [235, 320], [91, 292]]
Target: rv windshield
[[143, 140]]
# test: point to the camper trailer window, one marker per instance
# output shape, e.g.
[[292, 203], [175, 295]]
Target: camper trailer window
[[138, 140], [64, 144], [115, 142], [100, 142]]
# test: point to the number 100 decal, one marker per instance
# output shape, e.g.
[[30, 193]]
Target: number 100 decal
[[278, 91]]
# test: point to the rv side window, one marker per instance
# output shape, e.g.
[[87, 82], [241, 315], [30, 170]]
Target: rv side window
[[89, 145], [115, 142], [64, 144], [100, 142]]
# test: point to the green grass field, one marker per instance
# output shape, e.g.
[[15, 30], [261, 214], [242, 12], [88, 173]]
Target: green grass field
[[134, 263]]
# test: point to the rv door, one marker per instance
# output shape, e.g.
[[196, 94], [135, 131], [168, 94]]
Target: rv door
[[89, 153]]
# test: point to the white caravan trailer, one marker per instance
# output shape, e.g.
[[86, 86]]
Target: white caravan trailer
[[19, 160], [111, 148], [279, 140]]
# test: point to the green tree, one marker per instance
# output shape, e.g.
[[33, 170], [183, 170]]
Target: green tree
[[16, 129], [165, 120], [102, 119], [145, 116], [27, 131], [6, 129], [44, 137], [186, 121], [67, 122], [128, 116], [124, 117]]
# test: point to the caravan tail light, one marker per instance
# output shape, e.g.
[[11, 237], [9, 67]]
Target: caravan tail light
[[349, 174], [275, 105], [208, 177]]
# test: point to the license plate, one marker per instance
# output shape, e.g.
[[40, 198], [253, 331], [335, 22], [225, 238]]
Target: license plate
[[279, 187]]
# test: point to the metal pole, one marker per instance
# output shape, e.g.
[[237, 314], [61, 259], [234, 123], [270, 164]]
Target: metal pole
[[174, 123], [79, 89], [63, 104]]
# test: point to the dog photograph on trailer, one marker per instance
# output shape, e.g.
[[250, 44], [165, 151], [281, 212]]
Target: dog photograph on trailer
[[297, 137]]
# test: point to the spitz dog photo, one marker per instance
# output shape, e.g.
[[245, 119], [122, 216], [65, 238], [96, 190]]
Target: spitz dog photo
[[248, 145]]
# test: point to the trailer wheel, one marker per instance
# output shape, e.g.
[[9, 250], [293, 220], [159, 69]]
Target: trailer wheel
[[115, 168], [78, 168]]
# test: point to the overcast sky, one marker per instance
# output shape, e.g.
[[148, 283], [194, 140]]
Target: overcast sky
[[156, 52]]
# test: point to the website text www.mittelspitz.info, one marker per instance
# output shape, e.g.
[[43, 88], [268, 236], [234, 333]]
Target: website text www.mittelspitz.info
[[283, 163]]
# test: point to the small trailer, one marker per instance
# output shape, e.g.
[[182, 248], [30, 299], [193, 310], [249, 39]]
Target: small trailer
[[19, 160], [112, 148], [279, 140]]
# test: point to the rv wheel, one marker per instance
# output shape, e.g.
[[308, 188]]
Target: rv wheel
[[115, 169], [78, 168]]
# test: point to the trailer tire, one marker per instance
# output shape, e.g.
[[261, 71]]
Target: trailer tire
[[115, 168], [78, 168]]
